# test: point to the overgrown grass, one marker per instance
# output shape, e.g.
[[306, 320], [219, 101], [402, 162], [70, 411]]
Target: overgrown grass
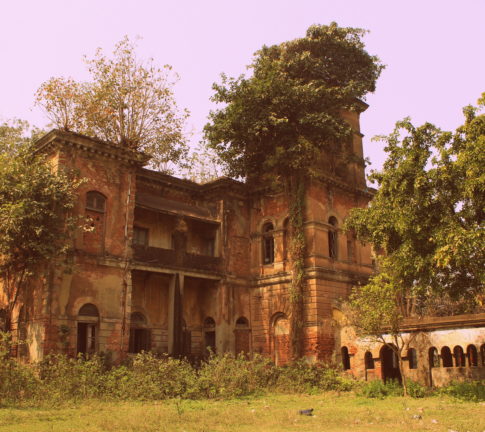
[[333, 412]]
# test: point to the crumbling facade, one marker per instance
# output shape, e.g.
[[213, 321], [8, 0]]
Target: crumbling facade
[[176, 267]]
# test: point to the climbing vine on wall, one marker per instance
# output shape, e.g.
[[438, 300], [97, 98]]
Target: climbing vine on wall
[[297, 258], [275, 125]]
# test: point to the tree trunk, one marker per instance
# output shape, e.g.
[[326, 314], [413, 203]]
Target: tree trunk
[[296, 197]]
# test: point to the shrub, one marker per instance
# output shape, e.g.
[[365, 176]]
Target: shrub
[[66, 378], [415, 390], [228, 376], [378, 389], [17, 382], [472, 391], [302, 377]]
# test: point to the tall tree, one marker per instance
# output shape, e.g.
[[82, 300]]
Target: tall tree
[[275, 123], [128, 102], [34, 204], [427, 220]]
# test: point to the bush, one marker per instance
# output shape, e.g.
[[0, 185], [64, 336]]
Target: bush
[[66, 378], [228, 376], [302, 377], [472, 391], [415, 390], [147, 376], [377, 389], [17, 382]]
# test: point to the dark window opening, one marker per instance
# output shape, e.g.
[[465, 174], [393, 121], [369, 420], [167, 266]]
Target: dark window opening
[[482, 352], [459, 356], [434, 360], [345, 358], [87, 331], [86, 338], [369, 360], [3, 319], [209, 336], [242, 322], [268, 244], [286, 234], [96, 201], [446, 357], [89, 310], [140, 340], [140, 236], [209, 247], [412, 358], [140, 336], [471, 353], [332, 238]]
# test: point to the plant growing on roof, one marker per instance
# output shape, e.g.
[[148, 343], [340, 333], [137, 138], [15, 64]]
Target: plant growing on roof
[[274, 124]]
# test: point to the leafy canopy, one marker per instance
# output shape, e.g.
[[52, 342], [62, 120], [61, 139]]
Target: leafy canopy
[[128, 102], [280, 119], [34, 203], [427, 217]]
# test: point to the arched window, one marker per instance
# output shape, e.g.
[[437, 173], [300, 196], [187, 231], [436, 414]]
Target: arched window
[[241, 333], [242, 323], [472, 355], [140, 335], [433, 358], [369, 360], [88, 319], [345, 358], [412, 358], [96, 201], [268, 243], [281, 339], [446, 357], [332, 238], [459, 356], [209, 335], [482, 352]]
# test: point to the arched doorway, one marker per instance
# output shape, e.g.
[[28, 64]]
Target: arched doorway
[[139, 334], [209, 336], [241, 336], [281, 338], [87, 329], [389, 364]]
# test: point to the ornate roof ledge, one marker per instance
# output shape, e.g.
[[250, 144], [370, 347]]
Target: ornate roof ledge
[[90, 145]]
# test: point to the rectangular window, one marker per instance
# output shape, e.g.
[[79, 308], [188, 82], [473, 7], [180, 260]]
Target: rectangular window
[[140, 236]]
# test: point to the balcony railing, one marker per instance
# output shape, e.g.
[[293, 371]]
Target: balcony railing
[[159, 257]]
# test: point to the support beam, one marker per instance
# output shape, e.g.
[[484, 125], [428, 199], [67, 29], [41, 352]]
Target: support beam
[[175, 315]]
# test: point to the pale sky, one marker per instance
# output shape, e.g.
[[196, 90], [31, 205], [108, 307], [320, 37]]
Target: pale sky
[[433, 49]]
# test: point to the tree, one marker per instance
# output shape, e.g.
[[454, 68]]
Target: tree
[[427, 220], [34, 206], [202, 165], [128, 102], [274, 124]]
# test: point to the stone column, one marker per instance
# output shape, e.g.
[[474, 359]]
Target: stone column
[[175, 315]]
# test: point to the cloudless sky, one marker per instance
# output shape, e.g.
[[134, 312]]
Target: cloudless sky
[[433, 49]]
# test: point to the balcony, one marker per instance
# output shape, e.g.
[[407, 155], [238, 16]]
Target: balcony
[[158, 257]]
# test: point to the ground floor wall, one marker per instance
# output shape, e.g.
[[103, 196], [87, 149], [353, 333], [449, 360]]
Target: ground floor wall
[[433, 357]]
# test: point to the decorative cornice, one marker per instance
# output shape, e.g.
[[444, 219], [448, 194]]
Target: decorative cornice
[[57, 137]]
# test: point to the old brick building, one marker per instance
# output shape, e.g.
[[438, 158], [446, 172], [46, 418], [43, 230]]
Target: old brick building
[[176, 267]]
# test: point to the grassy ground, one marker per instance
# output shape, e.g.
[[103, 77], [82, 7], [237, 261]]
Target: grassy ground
[[332, 412]]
